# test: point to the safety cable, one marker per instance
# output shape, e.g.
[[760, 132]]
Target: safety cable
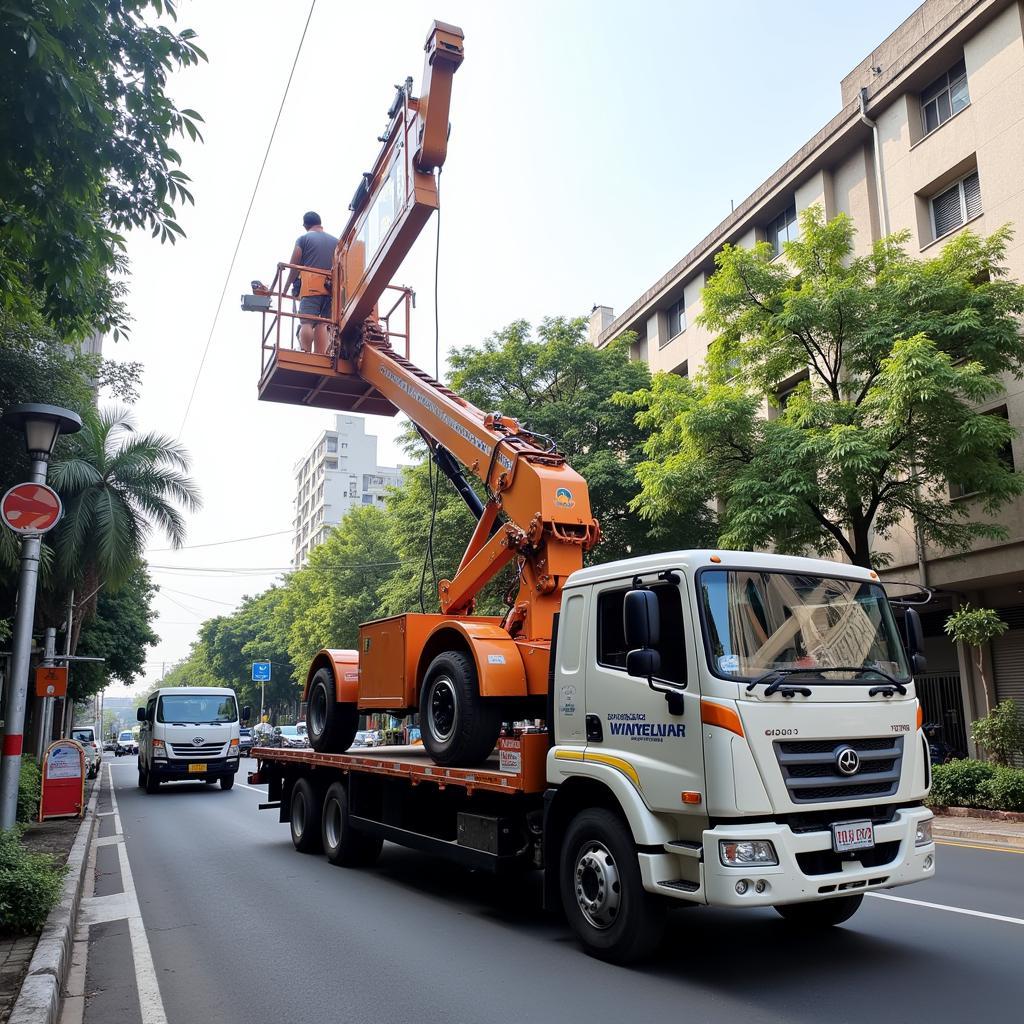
[[245, 223]]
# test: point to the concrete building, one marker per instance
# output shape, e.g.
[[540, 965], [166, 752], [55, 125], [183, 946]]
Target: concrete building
[[338, 472], [930, 138]]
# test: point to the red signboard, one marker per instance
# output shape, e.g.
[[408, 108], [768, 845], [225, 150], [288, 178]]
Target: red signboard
[[31, 508], [63, 781], [51, 681]]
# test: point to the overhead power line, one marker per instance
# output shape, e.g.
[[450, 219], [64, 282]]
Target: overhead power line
[[220, 543], [245, 222]]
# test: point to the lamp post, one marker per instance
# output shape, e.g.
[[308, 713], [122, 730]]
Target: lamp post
[[42, 425]]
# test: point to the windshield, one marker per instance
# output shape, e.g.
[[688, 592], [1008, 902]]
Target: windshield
[[760, 621], [83, 735], [126, 736], [197, 709], [289, 730]]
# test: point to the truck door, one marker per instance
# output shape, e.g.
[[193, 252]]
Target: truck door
[[630, 723]]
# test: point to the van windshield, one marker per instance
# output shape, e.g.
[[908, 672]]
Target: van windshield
[[196, 709], [757, 622]]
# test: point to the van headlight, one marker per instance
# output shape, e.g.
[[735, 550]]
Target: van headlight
[[924, 833], [159, 750], [748, 851]]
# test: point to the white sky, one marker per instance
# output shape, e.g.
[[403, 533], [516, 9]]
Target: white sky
[[592, 145]]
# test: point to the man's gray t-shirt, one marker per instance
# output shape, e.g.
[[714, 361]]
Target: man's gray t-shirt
[[317, 249]]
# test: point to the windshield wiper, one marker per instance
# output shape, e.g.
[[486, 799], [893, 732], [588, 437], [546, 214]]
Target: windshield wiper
[[776, 676]]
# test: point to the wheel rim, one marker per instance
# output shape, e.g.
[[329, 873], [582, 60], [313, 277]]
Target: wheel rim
[[299, 816], [332, 824], [596, 885], [318, 710], [442, 709]]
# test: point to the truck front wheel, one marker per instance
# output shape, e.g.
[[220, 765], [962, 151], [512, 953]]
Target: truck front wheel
[[459, 726], [305, 817], [602, 891], [821, 913], [332, 726], [342, 844]]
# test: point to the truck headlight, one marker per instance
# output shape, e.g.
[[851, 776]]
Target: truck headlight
[[748, 851], [924, 833], [159, 750]]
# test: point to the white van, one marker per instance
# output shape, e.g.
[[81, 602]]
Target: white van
[[86, 735], [189, 732]]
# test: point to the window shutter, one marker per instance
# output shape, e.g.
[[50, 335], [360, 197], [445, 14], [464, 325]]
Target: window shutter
[[972, 195], [946, 211]]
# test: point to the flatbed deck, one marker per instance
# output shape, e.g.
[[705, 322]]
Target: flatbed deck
[[515, 766]]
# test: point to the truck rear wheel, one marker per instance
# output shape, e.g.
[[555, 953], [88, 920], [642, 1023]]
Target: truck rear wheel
[[343, 845], [821, 913], [331, 726], [459, 727], [305, 817], [602, 891]]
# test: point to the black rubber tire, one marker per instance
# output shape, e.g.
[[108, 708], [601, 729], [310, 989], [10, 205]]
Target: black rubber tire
[[210, 782], [152, 783], [331, 726], [476, 721], [227, 781], [305, 817], [636, 927], [142, 778], [821, 913], [342, 844]]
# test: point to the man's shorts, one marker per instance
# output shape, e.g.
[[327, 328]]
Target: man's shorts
[[315, 305]]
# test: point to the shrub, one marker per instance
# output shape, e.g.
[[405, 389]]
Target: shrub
[[1005, 790], [961, 783], [29, 789], [1000, 732], [30, 884]]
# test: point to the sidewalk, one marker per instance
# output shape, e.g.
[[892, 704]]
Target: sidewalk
[[967, 827]]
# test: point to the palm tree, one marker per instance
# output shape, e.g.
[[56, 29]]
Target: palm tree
[[117, 486]]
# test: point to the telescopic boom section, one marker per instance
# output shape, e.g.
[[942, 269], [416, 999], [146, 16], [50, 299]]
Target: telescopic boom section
[[537, 513]]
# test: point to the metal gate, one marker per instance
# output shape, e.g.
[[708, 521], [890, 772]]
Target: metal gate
[[942, 706]]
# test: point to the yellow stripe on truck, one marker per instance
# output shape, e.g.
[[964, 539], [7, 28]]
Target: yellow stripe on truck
[[594, 757]]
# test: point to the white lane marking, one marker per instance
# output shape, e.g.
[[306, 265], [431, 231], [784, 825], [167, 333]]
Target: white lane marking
[[262, 792], [943, 906], [151, 1005]]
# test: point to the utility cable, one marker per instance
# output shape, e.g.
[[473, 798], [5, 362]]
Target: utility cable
[[245, 222], [220, 543]]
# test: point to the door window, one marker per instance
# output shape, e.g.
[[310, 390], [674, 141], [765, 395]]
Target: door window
[[611, 634]]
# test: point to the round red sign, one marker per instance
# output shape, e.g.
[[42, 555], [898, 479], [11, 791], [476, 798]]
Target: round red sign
[[31, 508]]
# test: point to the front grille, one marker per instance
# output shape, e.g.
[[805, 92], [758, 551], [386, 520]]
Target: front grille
[[812, 776], [197, 751], [827, 862]]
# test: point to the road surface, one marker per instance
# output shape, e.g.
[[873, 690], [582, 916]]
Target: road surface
[[238, 927]]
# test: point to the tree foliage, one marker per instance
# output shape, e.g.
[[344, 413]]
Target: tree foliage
[[975, 627], [86, 150], [891, 359]]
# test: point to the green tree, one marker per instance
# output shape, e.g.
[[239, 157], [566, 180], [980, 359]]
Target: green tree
[[897, 353], [558, 384], [86, 150], [975, 627]]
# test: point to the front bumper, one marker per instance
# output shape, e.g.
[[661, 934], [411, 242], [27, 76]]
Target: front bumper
[[178, 769], [894, 861]]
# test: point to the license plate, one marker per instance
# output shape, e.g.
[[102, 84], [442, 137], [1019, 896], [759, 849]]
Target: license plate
[[196, 768], [853, 835]]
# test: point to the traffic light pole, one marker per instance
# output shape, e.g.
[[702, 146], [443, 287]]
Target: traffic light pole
[[21, 653]]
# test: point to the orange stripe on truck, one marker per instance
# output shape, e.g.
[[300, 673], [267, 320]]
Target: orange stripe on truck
[[720, 715]]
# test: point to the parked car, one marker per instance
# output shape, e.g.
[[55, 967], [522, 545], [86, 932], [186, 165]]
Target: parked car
[[366, 738], [109, 745], [245, 740], [125, 743], [291, 737], [86, 735]]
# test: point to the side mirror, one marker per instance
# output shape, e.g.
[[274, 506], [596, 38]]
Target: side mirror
[[915, 641], [644, 662], [640, 618], [140, 714], [246, 713]]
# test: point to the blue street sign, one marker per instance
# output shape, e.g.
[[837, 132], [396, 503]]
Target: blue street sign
[[261, 671]]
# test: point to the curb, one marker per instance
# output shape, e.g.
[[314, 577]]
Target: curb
[[976, 835], [40, 996]]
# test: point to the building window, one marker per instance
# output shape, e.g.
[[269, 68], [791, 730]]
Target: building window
[[946, 96], [782, 229], [1005, 456], [344, 444], [332, 444], [786, 392], [956, 205], [367, 499], [676, 319], [331, 463]]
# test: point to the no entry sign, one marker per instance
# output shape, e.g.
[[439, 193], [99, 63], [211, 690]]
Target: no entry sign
[[31, 508]]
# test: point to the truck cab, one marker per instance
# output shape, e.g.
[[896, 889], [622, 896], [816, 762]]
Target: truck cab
[[759, 732]]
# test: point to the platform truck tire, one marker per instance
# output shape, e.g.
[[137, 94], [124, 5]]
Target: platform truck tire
[[305, 817], [459, 727], [227, 781], [343, 845], [603, 895], [821, 913], [331, 726]]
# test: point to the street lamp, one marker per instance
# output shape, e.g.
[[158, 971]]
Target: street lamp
[[42, 425]]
